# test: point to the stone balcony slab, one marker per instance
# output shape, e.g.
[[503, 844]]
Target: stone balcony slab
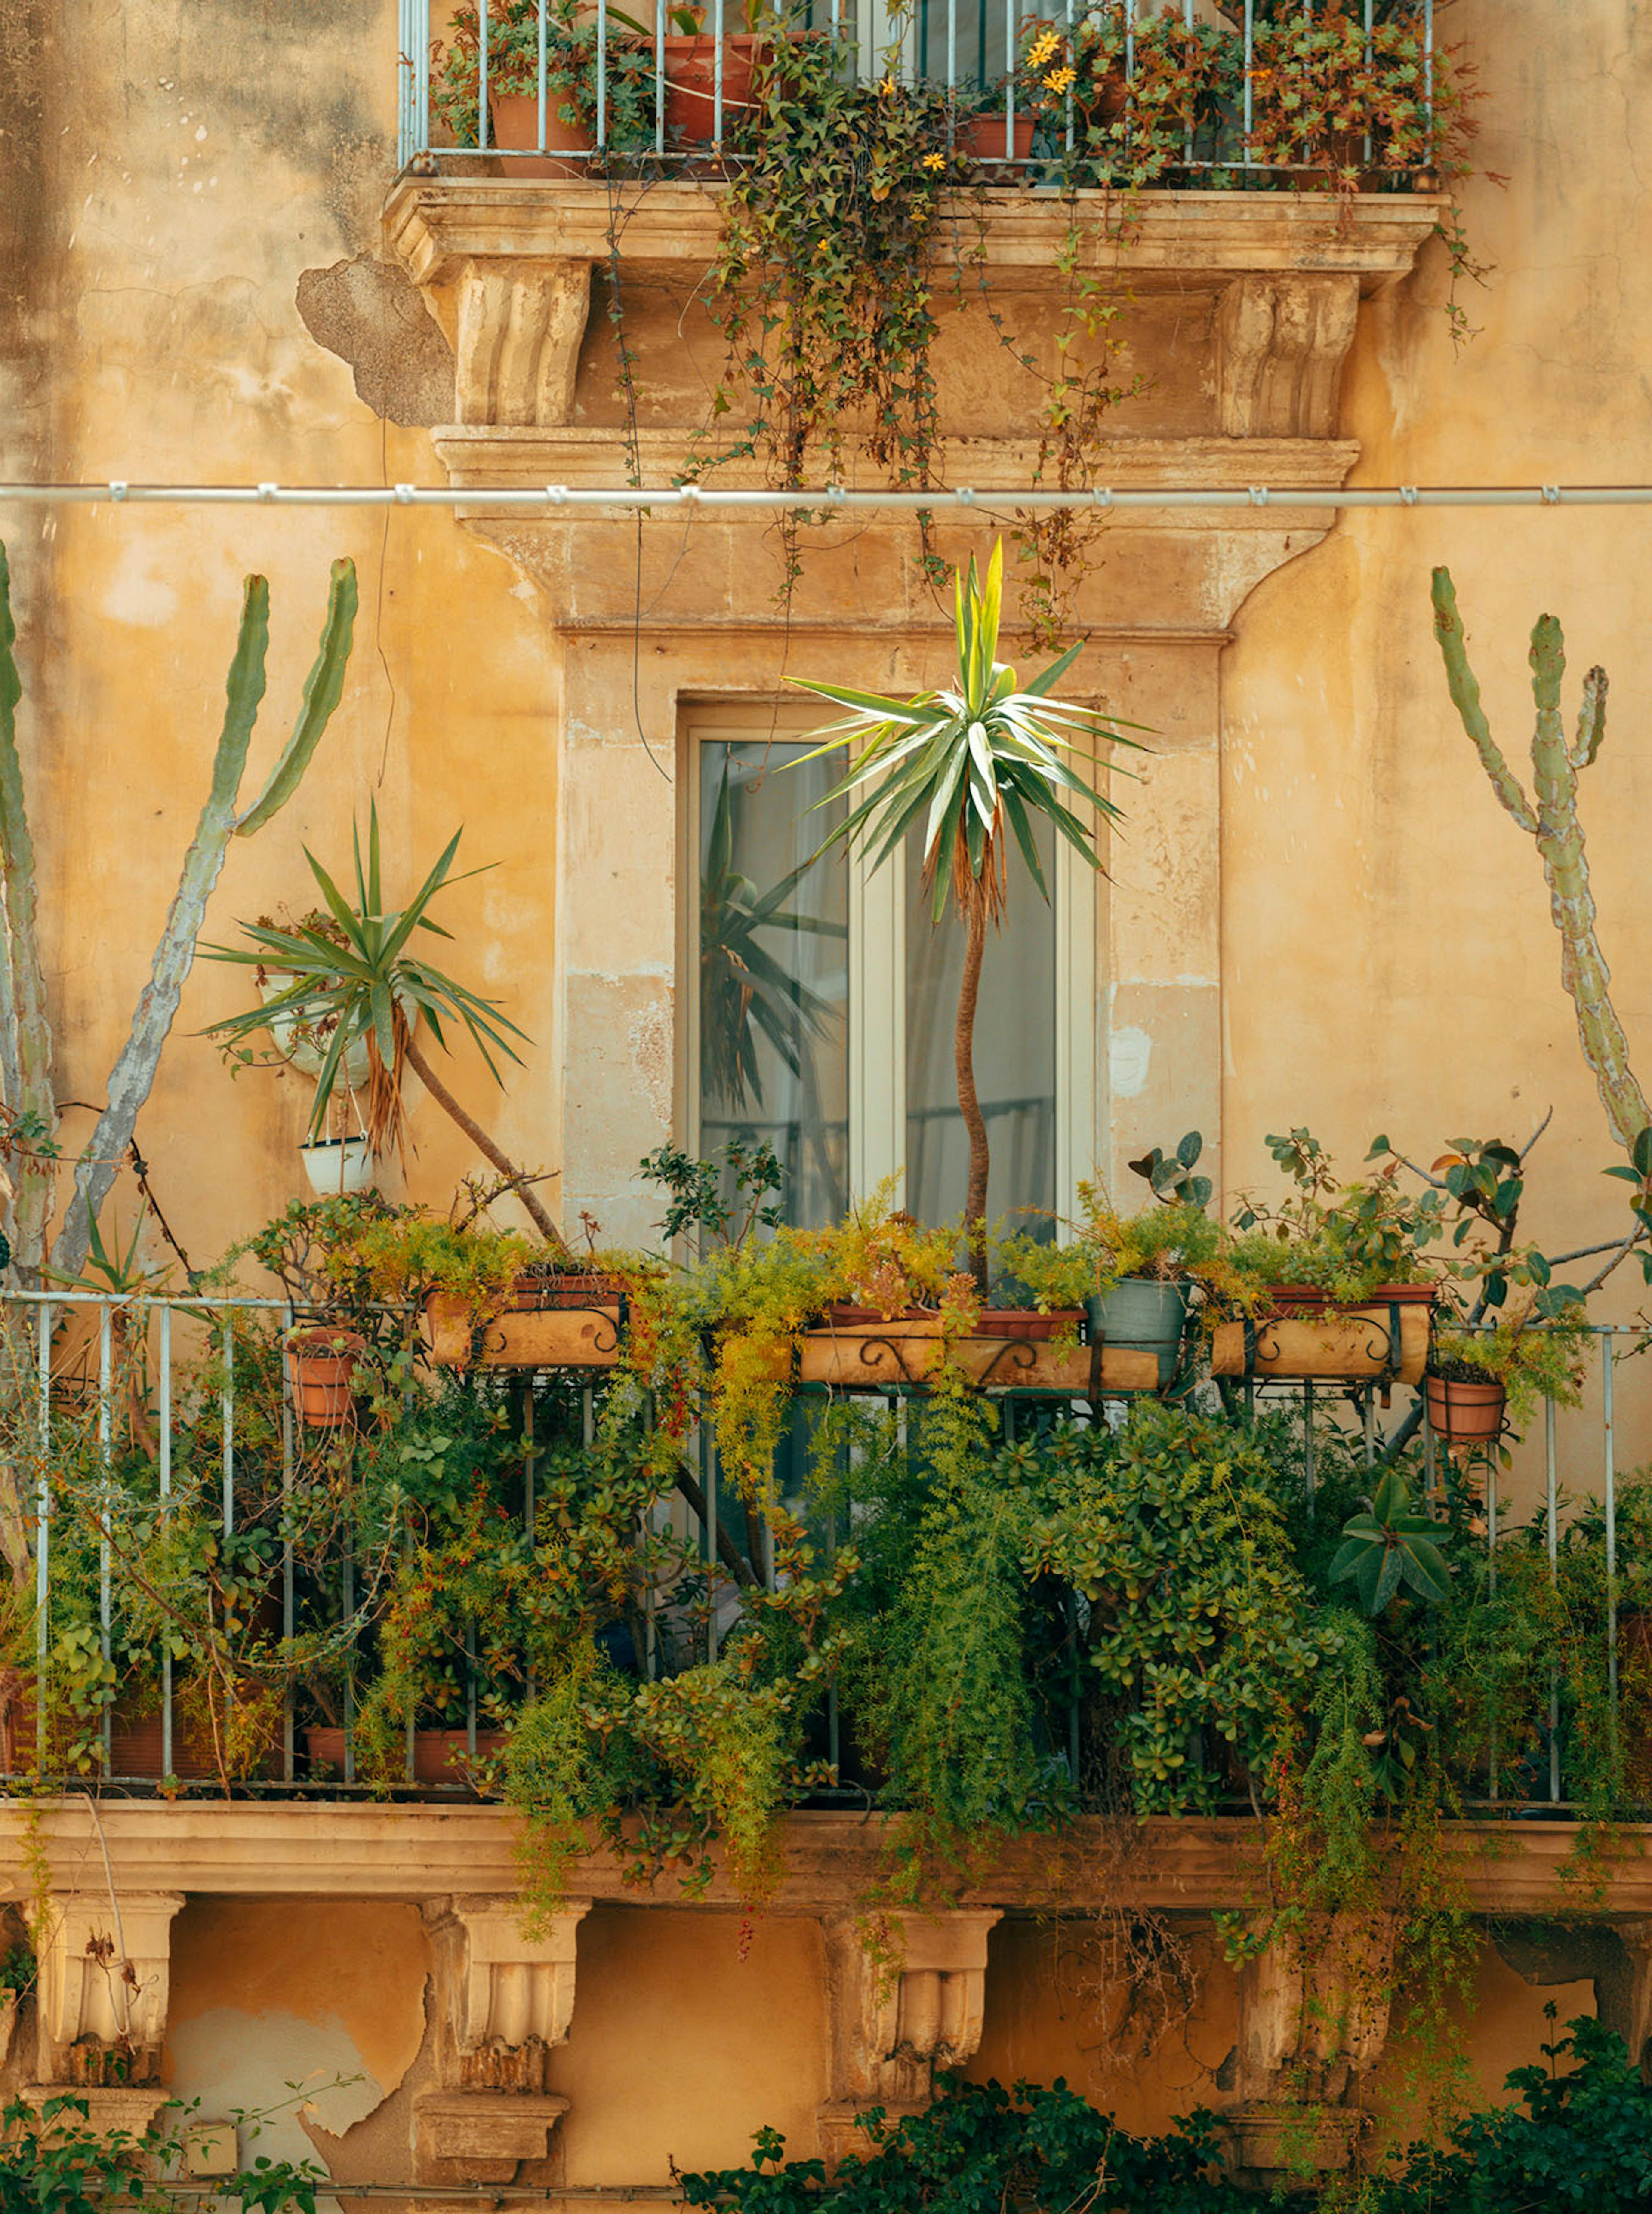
[[415, 1852]]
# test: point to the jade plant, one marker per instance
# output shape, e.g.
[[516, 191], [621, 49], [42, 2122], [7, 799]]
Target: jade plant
[[968, 767]]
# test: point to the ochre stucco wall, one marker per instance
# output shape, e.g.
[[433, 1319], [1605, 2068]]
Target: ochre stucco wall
[[1387, 961]]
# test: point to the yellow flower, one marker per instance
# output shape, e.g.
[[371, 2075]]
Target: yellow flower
[[934, 161], [1058, 80], [886, 88], [1046, 44]]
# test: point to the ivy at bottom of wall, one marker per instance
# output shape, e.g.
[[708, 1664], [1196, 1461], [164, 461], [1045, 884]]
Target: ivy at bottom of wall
[[54, 2160], [1578, 2135]]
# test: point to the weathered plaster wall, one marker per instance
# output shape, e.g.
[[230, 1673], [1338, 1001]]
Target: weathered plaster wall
[[1386, 960], [1408, 979], [212, 159], [321, 1999]]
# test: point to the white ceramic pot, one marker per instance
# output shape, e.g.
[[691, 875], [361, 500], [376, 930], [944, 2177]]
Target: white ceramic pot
[[297, 1042], [336, 1164]]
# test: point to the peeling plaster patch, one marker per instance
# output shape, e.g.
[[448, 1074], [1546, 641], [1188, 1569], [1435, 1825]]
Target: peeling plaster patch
[[371, 316], [228, 2059], [1130, 1058]]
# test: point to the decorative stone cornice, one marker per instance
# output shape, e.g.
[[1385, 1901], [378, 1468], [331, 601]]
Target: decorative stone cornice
[[261, 1849], [435, 225]]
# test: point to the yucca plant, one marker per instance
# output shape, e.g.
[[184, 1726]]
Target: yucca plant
[[966, 763], [370, 989]]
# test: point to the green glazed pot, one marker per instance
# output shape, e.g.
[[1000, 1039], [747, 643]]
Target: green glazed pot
[[1142, 1315]]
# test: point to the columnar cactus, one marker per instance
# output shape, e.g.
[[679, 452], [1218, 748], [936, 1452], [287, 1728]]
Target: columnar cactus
[[1553, 822], [26, 1048]]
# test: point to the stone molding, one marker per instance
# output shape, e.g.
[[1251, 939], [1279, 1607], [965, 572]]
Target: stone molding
[[260, 1849], [467, 2137], [103, 1986], [905, 1996], [528, 455], [434, 227]]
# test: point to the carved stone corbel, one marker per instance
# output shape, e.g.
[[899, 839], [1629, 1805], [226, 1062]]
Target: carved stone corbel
[[504, 2003], [1313, 2020], [103, 1986], [519, 329], [893, 2019], [1281, 343]]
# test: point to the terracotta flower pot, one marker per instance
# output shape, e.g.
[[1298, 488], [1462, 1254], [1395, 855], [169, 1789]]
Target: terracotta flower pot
[[691, 82], [1027, 1323], [982, 138], [910, 1321], [322, 1370], [515, 123], [1463, 1413], [440, 1756]]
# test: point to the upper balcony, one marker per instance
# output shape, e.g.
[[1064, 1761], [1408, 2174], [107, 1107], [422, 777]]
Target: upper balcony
[[1109, 247]]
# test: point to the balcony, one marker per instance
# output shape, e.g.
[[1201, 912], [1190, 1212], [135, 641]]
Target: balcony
[[323, 1574]]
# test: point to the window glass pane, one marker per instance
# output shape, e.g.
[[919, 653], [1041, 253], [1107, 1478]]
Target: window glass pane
[[1014, 1052], [774, 969]]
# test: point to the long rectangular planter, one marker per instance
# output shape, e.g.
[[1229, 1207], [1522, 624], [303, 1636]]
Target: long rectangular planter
[[888, 1355], [564, 1336], [1353, 1345]]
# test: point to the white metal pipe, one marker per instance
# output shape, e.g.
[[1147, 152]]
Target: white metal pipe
[[828, 499]]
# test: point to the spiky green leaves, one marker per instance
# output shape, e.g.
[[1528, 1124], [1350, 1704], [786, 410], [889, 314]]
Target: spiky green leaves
[[1390, 1547], [965, 761], [364, 984]]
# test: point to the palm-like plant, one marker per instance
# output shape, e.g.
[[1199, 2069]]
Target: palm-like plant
[[967, 762], [368, 987]]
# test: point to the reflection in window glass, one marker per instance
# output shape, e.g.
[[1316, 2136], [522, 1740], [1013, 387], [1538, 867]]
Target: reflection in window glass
[[773, 970], [1014, 1052]]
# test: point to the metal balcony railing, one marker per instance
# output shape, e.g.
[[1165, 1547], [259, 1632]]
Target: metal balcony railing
[[123, 1417], [629, 77]]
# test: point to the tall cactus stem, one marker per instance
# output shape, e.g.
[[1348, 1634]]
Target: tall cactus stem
[[133, 1074], [1554, 823]]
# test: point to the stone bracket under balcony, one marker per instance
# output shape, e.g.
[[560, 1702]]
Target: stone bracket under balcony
[[104, 1982], [905, 1997], [504, 2002], [1314, 2008]]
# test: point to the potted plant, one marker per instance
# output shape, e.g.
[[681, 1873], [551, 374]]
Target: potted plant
[[570, 123], [975, 762], [696, 59], [322, 1364], [338, 1165], [1477, 1376], [995, 124], [1331, 1283], [375, 991]]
